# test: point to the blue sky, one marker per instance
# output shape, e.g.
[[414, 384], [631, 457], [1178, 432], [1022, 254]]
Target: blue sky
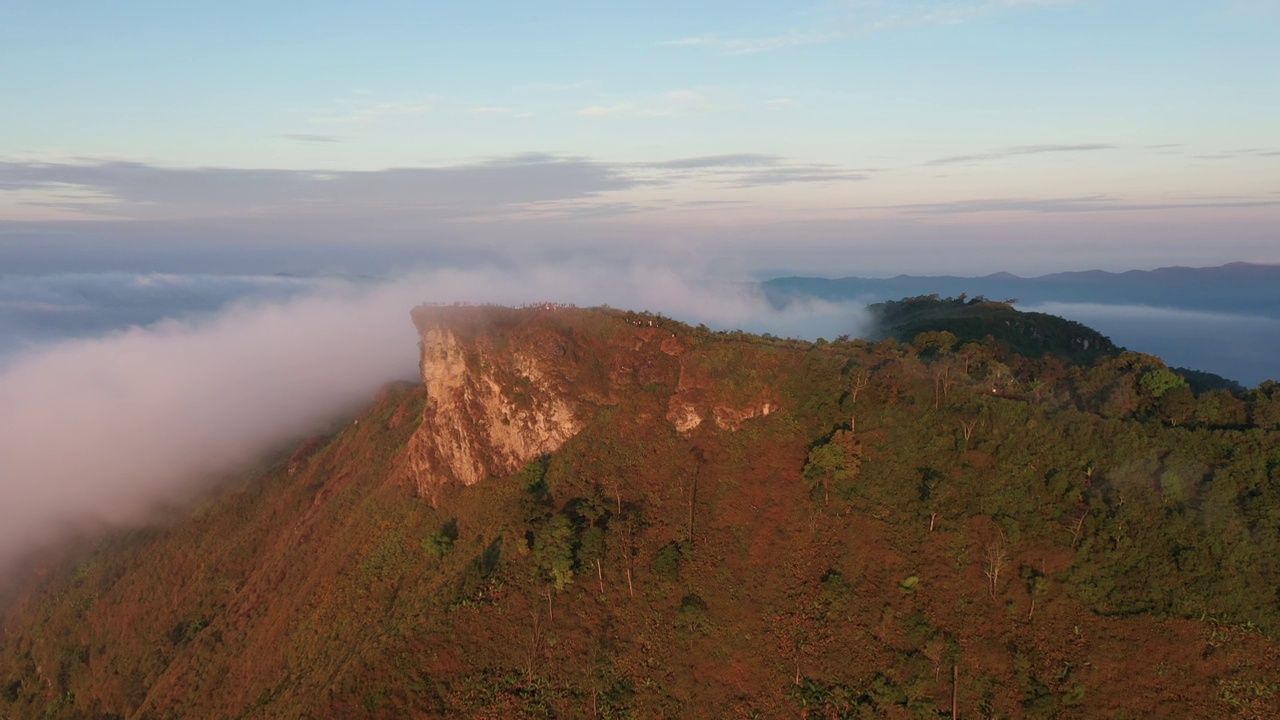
[[869, 136]]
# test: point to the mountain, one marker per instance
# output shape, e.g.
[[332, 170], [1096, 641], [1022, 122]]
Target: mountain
[[1030, 334], [598, 513]]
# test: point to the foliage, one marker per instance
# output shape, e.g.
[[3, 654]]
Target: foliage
[[941, 322]]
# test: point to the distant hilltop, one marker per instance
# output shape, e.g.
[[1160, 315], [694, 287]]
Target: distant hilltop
[[975, 319]]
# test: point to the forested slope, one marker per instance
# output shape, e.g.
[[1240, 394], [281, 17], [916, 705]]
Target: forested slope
[[728, 525]]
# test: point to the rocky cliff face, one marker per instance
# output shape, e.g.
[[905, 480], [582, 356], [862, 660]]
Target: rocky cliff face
[[493, 403], [505, 386]]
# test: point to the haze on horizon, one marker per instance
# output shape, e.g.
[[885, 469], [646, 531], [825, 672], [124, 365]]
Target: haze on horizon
[[851, 137]]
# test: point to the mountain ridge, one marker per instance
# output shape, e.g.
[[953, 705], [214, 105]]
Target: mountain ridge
[[767, 527], [1224, 319]]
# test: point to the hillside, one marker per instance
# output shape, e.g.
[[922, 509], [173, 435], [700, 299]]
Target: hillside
[[1031, 334], [603, 514]]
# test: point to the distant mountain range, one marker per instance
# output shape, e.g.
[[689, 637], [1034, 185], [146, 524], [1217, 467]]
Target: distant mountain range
[[1223, 319], [1246, 288]]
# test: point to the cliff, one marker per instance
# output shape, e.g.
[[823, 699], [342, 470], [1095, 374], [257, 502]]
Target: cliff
[[494, 401], [506, 386]]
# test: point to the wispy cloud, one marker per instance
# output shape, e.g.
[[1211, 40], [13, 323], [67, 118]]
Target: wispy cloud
[[1241, 153], [499, 112], [1086, 204], [718, 161], [312, 138], [362, 112], [598, 111], [674, 103], [1146, 313], [748, 46], [798, 174], [852, 18], [576, 210], [889, 14], [691, 102], [711, 203], [143, 191], [555, 88], [742, 170], [1019, 150]]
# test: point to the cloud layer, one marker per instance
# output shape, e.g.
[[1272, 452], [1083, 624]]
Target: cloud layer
[[1241, 347], [854, 18], [142, 191]]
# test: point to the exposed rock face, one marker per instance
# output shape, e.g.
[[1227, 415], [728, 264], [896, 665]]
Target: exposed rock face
[[683, 415], [489, 410], [731, 418], [702, 392], [505, 386]]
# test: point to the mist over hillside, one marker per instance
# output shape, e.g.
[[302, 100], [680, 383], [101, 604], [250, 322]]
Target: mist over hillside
[[164, 382], [112, 359]]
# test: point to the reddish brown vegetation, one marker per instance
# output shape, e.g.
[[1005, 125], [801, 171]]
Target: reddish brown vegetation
[[325, 588]]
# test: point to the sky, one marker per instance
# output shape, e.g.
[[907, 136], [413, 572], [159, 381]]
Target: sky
[[748, 138]]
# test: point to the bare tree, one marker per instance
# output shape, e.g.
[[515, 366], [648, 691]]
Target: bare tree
[[1076, 527], [859, 384], [941, 383], [535, 645], [996, 559]]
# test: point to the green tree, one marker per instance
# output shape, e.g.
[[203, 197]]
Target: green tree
[[1264, 405], [832, 465], [667, 562], [1176, 406], [1159, 381], [553, 550], [934, 342]]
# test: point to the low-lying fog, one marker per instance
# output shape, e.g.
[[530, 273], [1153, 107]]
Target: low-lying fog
[[1244, 348], [124, 392]]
